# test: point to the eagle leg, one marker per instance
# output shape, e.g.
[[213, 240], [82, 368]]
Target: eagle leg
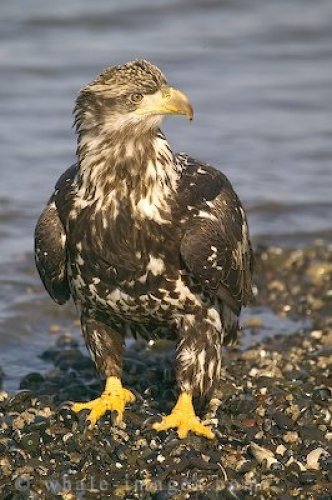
[[183, 417], [105, 345], [198, 369], [114, 398]]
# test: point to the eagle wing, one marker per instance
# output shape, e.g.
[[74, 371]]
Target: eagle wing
[[216, 247], [50, 243]]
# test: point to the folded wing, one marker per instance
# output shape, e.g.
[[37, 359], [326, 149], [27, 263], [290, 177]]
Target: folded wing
[[216, 248]]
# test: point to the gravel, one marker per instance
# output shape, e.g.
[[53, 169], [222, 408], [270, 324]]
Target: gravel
[[271, 412]]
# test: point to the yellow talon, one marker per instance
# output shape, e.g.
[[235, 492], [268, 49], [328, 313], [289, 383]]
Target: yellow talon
[[114, 397], [183, 417]]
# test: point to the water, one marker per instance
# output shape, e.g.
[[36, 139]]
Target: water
[[258, 73]]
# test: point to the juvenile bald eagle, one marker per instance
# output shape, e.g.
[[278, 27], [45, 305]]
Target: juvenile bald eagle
[[145, 240]]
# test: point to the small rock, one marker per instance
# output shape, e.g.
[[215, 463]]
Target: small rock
[[327, 339], [30, 442], [280, 450], [313, 458], [316, 334], [307, 477], [310, 433], [261, 454], [319, 271], [254, 322], [283, 421], [290, 437], [249, 422], [292, 463], [3, 396], [321, 394]]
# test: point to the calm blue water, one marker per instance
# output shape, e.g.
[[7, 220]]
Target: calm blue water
[[258, 73]]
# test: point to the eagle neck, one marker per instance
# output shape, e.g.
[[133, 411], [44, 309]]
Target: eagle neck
[[138, 168]]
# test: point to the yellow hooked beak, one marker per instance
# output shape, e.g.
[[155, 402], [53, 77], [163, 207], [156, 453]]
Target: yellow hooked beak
[[167, 101]]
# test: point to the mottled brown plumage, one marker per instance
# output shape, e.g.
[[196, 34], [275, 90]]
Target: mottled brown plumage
[[145, 240]]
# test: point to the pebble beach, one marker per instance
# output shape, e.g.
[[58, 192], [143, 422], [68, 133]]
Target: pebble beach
[[271, 413]]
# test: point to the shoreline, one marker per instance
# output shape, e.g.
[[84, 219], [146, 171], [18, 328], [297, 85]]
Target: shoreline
[[271, 412]]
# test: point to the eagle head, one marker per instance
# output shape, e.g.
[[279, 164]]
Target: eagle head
[[135, 94]]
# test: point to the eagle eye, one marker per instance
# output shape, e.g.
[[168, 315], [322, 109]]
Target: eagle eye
[[136, 98]]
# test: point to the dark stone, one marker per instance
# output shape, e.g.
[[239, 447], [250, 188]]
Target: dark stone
[[284, 421], [3, 446], [31, 380], [277, 466], [307, 477], [321, 395], [121, 452], [21, 401], [76, 391], [326, 462], [71, 444], [85, 366], [311, 433], [243, 405], [66, 341], [267, 425], [324, 351], [162, 495], [31, 442], [65, 359], [45, 400], [49, 354], [297, 375], [39, 425], [200, 464], [67, 417]]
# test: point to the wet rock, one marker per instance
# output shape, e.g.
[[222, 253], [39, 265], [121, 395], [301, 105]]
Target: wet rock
[[283, 421], [32, 381], [66, 341], [307, 477], [280, 450], [290, 437], [319, 271], [311, 433], [326, 339], [313, 458], [243, 405], [322, 395], [263, 455], [30, 442], [20, 401]]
